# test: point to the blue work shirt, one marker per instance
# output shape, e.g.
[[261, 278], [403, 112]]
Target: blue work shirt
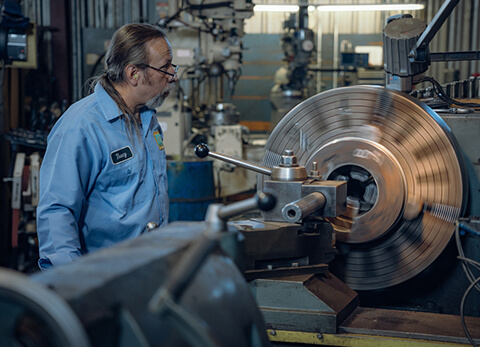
[[98, 183]]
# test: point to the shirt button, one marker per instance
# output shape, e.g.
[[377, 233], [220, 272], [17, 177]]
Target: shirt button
[[151, 226], [129, 171]]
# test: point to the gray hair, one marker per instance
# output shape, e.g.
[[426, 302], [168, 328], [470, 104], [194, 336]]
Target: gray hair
[[127, 46]]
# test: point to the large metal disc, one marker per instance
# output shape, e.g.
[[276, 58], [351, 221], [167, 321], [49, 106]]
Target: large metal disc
[[33, 315], [406, 178]]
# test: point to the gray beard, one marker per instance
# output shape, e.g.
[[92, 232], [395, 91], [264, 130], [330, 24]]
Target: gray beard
[[158, 100]]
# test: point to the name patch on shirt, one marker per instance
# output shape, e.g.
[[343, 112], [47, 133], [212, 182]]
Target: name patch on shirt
[[159, 140], [121, 155]]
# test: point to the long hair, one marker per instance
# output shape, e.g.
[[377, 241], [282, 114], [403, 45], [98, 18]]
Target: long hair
[[127, 46]]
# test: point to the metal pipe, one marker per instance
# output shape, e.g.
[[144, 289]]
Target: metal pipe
[[335, 51], [319, 52], [474, 33], [92, 15], [460, 38], [434, 46], [127, 9], [102, 16], [303, 15], [110, 17], [434, 25], [76, 48], [451, 40], [145, 11], [466, 36], [295, 211]]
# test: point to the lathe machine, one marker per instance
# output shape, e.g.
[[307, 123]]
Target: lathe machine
[[370, 185], [372, 240]]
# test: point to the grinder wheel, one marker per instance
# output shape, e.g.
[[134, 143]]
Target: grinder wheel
[[405, 175]]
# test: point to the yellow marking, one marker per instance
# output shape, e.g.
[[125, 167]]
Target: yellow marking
[[352, 340]]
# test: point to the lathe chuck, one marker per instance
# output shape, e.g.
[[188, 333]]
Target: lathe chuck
[[406, 178]]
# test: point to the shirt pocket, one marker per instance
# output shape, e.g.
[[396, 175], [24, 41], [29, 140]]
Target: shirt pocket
[[123, 186]]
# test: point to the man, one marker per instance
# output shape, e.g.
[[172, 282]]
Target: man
[[103, 177]]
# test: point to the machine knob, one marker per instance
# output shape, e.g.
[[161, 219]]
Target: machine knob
[[266, 201], [202, 150]]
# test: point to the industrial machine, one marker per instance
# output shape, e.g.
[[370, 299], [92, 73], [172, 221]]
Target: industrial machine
[[373, 192], [293, 82], [356, 184], [178, 286], [388, 179], [206, 38], [410, 188]]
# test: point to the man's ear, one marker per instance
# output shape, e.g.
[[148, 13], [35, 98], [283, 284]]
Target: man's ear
[[132, 74]]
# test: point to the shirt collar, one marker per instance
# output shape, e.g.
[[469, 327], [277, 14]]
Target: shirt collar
[[146, 116], [111, 111], [108, 106]]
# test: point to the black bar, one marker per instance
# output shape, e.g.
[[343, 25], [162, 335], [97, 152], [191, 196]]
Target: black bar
[[436, 23], [454, 56], [286, 271]]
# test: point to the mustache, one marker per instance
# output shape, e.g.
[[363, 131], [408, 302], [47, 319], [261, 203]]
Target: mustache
[[171, 86]]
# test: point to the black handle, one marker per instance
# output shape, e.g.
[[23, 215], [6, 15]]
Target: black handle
[[202, 150]]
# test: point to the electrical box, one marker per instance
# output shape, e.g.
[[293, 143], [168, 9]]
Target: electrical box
[[22, 48], [17, 45]]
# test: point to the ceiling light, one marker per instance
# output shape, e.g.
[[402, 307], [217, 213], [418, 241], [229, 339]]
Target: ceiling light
[[379, 7], [275, 8], [340, 8]]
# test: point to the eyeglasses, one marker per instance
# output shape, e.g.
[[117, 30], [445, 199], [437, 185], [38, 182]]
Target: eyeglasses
[[165, 72]]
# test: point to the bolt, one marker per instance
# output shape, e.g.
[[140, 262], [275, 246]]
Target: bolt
[[314, 172], [319, 336], [288, 159], [273, 332]]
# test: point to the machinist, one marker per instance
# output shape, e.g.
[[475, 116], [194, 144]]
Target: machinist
[[103, 177]]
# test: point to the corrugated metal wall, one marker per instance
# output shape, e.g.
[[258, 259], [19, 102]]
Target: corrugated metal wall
[[327, 22], [39, 13], [330, 25], [101, 14], [458, 33]]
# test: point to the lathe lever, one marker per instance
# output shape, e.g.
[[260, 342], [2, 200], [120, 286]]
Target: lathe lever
[[202, 150]]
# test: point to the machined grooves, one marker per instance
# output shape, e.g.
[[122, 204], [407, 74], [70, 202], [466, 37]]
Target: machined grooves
[[427, 155]]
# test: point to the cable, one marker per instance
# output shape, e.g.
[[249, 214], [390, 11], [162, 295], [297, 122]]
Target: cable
[[462, 316], [441, 94], [461, 253], [476, 264], [474, 282]]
